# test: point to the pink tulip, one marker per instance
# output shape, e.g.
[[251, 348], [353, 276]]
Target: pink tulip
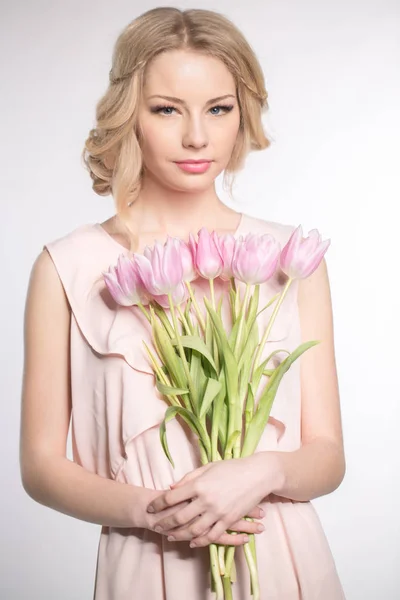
[[179, 294], [189, 269], [226, 244], [205, 253], [124, 282], [255, 258], [161, 267], [301, 257]]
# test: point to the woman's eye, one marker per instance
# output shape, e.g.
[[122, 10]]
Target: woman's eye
[[225, 107], [158, 109]]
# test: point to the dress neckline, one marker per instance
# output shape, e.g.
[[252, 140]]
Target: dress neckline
[[122, 248]]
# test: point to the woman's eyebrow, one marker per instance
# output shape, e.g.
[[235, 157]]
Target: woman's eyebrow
[[180, 101]]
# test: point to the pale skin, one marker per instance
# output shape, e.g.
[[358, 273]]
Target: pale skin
[[176, 203]]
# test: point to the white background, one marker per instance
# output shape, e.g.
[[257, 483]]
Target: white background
[[332, 71]]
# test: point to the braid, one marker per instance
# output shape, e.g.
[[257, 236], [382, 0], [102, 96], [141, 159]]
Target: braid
[[127, 75], [261, 97]]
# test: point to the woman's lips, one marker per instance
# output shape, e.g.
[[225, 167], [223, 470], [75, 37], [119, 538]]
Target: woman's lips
[[200, 167]]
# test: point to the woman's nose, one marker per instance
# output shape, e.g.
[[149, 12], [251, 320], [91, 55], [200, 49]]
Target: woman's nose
[[195, 133]]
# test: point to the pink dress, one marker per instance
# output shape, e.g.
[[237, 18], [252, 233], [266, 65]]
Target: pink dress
[[116, 415]]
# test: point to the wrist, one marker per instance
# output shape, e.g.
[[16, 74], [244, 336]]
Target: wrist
[[138, 498], [271, 465]]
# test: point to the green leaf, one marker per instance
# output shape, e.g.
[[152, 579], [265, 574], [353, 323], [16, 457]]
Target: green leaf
[[219, 418], [252, 341], [223, 425], [195, 369], [251, 336], [261, 368], [269, 303], [232, 302], [261, 416], [231, 442], [231, 371], [234, 333], [196, 343], [249, 410], [212, 390], [160, 312], [170, 358], [192, 421], [188, 316], [167, 390], [253, 304], [245, 363], [208, 334], [219, 307]]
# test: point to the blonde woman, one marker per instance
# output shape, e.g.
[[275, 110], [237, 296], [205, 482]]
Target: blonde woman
[[183, 104]]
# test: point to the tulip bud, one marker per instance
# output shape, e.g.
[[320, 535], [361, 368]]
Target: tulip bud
[[300, 257]]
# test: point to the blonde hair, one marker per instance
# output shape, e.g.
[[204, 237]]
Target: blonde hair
[[112, 152]]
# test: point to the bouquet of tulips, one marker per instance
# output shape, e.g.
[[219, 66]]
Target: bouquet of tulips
[[210, 376]]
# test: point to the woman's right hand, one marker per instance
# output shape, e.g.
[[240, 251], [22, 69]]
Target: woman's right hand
[[242, 526]]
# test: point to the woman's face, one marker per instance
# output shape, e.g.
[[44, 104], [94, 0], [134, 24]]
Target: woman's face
[[196, 127]]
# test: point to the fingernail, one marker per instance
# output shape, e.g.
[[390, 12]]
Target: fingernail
[[246, 539], [158, 529], [192, 544], [150, 509], [260, 527], [171, 538]]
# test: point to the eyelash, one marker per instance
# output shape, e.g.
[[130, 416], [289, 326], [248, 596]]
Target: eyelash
[[159, 108]]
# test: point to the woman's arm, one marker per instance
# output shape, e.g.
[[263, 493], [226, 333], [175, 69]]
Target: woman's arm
[[47, 475], [318, 467]]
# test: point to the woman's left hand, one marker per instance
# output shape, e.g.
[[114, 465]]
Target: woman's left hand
[[222, 492]]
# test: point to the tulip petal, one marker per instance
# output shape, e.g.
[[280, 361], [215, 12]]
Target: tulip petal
[[301, 256]]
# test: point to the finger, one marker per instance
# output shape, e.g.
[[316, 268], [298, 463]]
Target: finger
[[190, 531], [153, 519], [217, 534], [247, 526], [228, 539], [170, 498], [190, 476], [256, 513], [199, 526], [179, 518]]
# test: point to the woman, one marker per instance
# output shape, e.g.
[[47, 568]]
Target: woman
[[184, 86]]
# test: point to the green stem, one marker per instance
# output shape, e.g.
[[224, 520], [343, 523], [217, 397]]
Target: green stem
[[229, 557], [252, 564], [227, 587], [212, 292], [215, 574], [269, 326], [216, 415], [184, 320], [193, 392], [241, 317], [160, 312], [144, 311], [163, 377], [196, 307], [237, 300]]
